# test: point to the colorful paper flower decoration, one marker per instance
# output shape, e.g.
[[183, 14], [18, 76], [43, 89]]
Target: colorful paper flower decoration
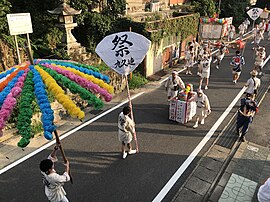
[[30, 82]]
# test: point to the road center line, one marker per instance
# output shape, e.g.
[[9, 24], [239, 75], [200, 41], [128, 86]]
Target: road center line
[[8, 167]]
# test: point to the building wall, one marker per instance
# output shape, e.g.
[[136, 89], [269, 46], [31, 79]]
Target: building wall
[[177, 2], [159, 56]]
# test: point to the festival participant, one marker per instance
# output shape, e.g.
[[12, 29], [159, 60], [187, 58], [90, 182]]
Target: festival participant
[[126, 131], [259, 59], [189, 60], [253, 84], [237, 62], [54, 182], [203, 107], [242, 29], [246, 23], [203, 53], [262, 26], [196, 46], [173, 85], [206, 62], [245, 115], [220, 54], [231, 33], [258, 36]]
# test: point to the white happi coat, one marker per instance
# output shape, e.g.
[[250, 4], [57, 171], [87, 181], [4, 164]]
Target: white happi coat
[[203, 105], [172, 83], [126, 128]]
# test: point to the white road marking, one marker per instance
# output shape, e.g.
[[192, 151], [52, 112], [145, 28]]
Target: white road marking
[[8, 167], [195, 152], [199, 147]]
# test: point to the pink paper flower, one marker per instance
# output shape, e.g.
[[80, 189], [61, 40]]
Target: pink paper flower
[[16, 91]]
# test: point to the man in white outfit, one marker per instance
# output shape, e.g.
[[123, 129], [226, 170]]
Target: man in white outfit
[[246, 23], [259, 60], [54, 182], [203, 107], [173, 84], [253, 84], [126, 131], [242, 29], [206, 62]]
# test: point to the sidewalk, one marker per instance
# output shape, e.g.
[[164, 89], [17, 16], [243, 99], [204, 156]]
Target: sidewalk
[[250, 166]]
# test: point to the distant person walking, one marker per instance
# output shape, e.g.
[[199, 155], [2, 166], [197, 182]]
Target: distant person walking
[[253, 84], [173, 84], [259, 59], [205, 63], [237, 62], [245, 115], [54, 182], [126, 131], [189, 60], [222, 50]]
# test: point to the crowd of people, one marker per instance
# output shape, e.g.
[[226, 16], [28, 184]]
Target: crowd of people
[[201, 53]]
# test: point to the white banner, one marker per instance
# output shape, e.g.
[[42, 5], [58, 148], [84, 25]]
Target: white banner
[[123, 51], [254, 13], [19, 23]]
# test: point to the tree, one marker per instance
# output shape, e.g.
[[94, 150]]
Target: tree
[[235, 9], [5, 9], [263, 4], [204, 7]]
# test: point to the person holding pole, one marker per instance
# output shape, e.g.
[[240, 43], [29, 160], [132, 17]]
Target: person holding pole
[[52, 180], [173, 85], [126, 131]]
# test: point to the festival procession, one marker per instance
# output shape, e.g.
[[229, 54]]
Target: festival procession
[[120, 101]]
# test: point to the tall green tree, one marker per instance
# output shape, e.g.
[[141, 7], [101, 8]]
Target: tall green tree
[[235, 9], [263, 4], [93, 25], [204, 7], [5, 6]]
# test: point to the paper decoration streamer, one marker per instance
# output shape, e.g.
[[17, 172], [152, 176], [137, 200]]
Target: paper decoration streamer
[[22, 84]]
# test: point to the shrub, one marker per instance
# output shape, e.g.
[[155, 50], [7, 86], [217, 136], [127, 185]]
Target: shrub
[[137, 81]]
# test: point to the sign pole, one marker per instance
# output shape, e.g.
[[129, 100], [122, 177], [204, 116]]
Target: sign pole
[[29, 44], [253, 25], [62, 152], [130, 105], [17, 49]]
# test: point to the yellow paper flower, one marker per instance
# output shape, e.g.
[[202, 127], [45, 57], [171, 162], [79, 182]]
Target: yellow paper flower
[[63, 99], [95, 80]]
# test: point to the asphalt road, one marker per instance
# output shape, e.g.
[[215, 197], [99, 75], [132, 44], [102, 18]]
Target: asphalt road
[[94, 151]]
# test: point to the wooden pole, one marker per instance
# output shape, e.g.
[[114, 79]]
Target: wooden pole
[[62, 152], [17, 49], [130, 75], [30, 57], [131, 114]]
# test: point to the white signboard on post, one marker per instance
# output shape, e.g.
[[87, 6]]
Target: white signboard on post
[[123, 51], [19, 23], [255, 13]]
